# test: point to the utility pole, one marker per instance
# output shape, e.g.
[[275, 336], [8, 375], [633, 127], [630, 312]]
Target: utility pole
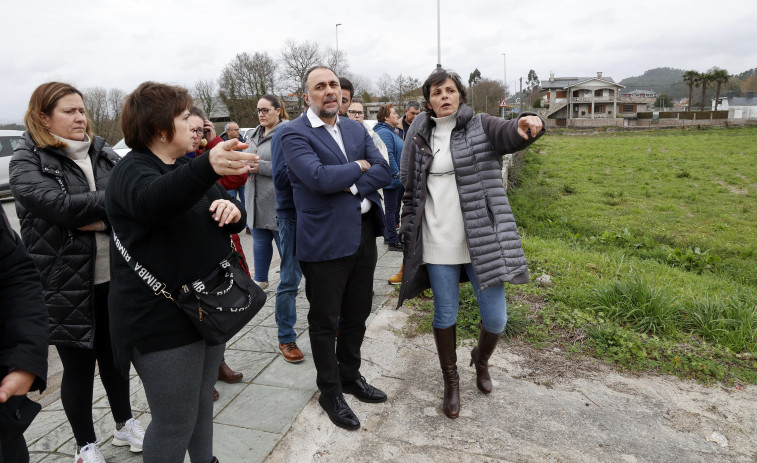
[[438, 37], [336, 60], [504, 56], [521, 95]]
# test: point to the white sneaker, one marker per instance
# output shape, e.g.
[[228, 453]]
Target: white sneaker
[[90, 453], [131, 434]]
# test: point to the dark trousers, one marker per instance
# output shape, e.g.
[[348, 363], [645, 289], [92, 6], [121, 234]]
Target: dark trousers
[[15, 417], [340, 293], [79, 376], [392, 202]]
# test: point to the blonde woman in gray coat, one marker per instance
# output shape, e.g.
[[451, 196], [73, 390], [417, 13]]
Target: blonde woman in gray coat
[[260, 200]]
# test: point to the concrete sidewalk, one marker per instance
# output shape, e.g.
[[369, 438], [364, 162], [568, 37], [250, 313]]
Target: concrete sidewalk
[[250, 417]]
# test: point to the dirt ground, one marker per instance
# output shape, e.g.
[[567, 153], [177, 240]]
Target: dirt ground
[[544, 408]]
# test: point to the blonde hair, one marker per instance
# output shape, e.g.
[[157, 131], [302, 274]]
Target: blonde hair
[[44, 100]]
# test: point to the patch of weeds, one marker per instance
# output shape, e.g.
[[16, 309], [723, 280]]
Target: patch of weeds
[[568, 189], [613, 197], [730, 323], [683, 173], [639, 306], [692, 260]]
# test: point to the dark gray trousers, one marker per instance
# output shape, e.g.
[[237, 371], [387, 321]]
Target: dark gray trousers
[[179, 388]]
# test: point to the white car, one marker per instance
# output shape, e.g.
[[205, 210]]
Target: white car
[[8, 141], [120, 148]]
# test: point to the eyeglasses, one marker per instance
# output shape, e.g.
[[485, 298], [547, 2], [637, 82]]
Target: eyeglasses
[[196, 131], [263, 110], [355, 113]]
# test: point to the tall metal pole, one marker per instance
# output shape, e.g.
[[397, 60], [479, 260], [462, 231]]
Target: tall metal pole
[[504, 56], [521, 95], [438, 37], [337, 45]]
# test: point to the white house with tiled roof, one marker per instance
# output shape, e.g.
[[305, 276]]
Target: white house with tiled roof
[[588, 98]]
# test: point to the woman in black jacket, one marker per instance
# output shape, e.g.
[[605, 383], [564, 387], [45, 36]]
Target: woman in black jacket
[[169, 214], [58, 176]]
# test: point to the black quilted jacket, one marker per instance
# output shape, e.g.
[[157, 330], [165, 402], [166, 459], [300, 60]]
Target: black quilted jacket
[[53, 200]]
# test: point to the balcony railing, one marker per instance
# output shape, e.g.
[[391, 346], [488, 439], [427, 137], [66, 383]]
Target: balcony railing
[[599, 99]]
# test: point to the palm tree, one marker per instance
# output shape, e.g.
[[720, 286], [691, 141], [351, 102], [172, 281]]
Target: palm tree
[[704, 79], [720, 76], [690, 79]]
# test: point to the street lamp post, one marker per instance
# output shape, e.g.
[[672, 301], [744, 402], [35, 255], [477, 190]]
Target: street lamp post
[[438, 37], [504, 56], [337, 41]]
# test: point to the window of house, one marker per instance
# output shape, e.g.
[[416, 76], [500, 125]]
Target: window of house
[[627, 108], [599, 108], [598, 92], [562, 94]]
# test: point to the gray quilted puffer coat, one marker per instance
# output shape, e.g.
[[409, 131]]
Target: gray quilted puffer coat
[[259, 198], [477, 145], [53, 200]]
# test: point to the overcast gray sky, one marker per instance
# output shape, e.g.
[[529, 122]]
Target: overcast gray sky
[[123, 43]]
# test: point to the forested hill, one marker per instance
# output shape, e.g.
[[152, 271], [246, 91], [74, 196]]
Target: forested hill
[[661, 80]]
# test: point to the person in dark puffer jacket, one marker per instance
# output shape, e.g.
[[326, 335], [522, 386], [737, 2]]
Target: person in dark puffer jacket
[[58, 176], [457, 221]]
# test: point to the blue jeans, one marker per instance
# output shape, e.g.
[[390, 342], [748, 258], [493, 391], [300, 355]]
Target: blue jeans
[[392, 202], [290, 276], [445, 283], [262, 251], [233, 194]]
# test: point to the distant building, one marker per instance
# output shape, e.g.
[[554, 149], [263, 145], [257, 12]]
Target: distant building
[[738, 107], [588, 98], [640, 93]]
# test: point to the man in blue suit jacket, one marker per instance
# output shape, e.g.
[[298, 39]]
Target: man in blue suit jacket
[[335, 171]]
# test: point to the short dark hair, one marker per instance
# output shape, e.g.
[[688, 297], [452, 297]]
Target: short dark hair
[[384, 112], [437, 77], [347, 85], [412, 104], [149, 111], [195, 111], [309, 71]]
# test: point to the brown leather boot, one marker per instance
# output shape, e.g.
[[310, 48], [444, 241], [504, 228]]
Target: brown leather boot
[[446, 343], [479, 357], [228, 375]]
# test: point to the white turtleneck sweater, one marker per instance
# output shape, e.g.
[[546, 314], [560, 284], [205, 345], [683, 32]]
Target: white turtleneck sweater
[[78, 151], [443, 229]]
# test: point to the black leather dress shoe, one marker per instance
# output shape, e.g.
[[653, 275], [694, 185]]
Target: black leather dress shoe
[[363, 391], [395, 247], [339, 412]]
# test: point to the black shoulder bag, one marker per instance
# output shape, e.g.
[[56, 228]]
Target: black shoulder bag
[[218, 305]]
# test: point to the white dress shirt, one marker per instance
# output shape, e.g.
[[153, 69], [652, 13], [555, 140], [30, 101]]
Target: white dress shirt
[[336, 134]]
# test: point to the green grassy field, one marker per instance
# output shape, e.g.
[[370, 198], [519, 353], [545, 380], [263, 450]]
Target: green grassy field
[[650, 239]]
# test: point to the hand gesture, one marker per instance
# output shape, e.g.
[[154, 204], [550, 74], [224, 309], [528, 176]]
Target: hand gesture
[[225, 212], [227, 158], [529, 123]]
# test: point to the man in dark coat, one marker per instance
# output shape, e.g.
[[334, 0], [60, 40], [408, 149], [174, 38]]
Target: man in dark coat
[[335, 170], [24, 336]]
